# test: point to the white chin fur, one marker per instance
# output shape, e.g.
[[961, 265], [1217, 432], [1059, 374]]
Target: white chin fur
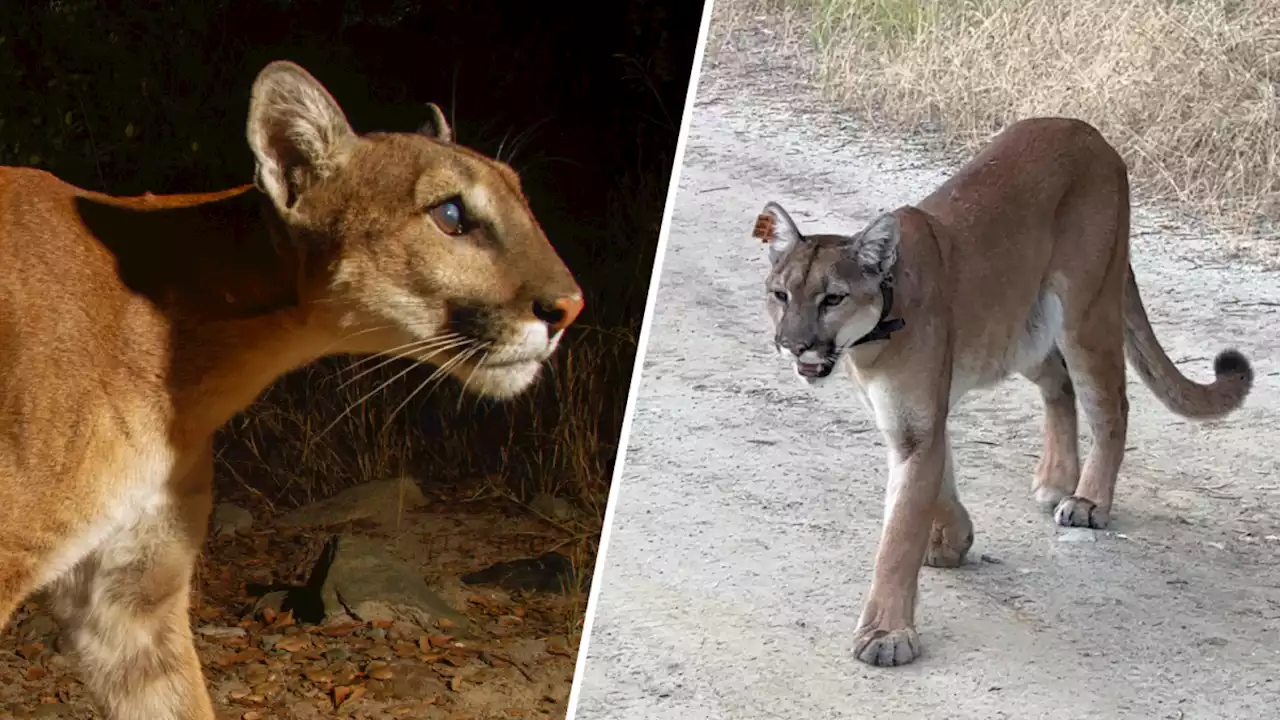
[[501, 383], [816, 382], [532, 340]]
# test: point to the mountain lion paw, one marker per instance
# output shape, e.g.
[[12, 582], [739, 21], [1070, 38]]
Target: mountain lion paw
[[945, 552], [886, 648], [1075, 511]]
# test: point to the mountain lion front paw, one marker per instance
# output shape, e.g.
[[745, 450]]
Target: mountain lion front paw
[[885, 647]]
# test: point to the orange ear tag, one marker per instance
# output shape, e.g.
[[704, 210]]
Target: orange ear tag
[[764, 227]]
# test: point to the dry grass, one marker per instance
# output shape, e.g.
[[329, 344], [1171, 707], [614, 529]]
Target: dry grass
[[1186, 89]]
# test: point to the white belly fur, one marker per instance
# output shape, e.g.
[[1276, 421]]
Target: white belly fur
[[146, 481], [1029, 347]]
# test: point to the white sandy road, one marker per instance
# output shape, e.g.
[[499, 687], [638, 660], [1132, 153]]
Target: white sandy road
[[749, 509]]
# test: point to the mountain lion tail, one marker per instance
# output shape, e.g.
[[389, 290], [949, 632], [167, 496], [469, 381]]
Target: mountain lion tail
[[1190, 399]]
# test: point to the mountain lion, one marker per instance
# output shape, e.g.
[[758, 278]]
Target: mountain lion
[[131, 328], [1017, 264]]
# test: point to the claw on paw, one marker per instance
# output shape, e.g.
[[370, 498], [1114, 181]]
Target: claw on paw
[[1075, 511], [886, 648]]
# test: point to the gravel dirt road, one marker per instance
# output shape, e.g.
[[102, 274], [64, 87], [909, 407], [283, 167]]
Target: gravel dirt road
[[750, 507]]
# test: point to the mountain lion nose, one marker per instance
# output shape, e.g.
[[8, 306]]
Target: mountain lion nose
[[560, 314]]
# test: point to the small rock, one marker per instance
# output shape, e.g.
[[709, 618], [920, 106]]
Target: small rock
[[417, 681], [382, 501], [230, 519], [268, 642], [401, 630], [229, 689], [218, 632], [362, 579], [550, 506], [1077, 535], [273, 601]]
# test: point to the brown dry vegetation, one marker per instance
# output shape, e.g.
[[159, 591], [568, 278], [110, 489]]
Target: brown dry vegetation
[[1188, 90]]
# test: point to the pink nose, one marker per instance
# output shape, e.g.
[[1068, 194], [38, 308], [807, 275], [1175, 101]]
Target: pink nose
[[561, 313]]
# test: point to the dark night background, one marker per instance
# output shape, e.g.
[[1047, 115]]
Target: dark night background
[[584, 100]]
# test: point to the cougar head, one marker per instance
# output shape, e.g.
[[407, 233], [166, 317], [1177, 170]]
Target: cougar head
[[429, 249], [823, 291]]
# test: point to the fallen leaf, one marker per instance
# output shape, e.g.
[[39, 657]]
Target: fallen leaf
[[346, 694], [293, 643], [282, 620], [31, 651], [339, 629], [455, 659], [489, 604], [446, 624], [319, 675], [244, 656]]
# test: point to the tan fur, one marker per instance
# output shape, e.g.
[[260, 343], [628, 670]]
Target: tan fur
[[132, 328], [1017, 264]]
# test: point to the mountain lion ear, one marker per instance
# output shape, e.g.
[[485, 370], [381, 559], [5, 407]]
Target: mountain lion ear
[[296, 130], [436, 126], [774, 226], [876, 249]]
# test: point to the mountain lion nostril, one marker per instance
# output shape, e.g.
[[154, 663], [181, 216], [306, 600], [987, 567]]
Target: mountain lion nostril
[[559, 314]]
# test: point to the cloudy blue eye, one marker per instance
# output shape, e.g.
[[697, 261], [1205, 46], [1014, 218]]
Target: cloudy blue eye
[[833, 300], [448, 216]]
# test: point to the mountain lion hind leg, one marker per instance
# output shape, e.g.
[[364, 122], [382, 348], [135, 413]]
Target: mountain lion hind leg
[[952, 533], [1059, 469]]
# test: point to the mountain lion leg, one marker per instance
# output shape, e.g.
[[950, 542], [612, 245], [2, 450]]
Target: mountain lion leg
[[886, 632], [952, 533], [16, 579], [1059, 469], [124, 611], [1095, 359]]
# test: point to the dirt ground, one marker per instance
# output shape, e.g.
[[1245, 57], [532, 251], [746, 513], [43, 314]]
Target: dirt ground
[[516, 663], [748, 514]]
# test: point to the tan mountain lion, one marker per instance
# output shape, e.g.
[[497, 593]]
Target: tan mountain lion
[[1017, 264], [132, 328]]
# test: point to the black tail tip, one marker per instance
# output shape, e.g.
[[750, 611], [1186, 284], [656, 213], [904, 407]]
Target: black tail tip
[[1232, 363]]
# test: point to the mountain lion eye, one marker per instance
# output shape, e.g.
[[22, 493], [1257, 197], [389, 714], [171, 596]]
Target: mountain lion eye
[[449, 217], [833, 300], [780, 295]]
